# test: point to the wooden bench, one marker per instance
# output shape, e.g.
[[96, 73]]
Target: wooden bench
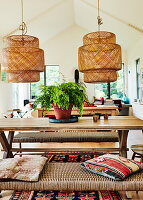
[[63, 136], [74, 177], [67, 136]]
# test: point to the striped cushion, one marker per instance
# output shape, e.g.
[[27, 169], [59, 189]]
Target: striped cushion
[[113, 166]]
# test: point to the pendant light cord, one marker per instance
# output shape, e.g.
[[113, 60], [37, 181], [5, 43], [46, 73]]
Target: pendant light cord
[[99, 18], [23, 26], [22, 12]]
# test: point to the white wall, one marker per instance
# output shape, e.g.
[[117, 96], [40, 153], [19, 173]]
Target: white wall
[[135, 52], [138, 110], [125, 61], [1, 46], [23, 93], [6, 97]]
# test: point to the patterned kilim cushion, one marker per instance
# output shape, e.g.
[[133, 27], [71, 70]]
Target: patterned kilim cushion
[[24, 169], [113, 166]]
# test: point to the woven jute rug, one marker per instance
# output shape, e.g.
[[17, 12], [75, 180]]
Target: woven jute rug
[[62, 195]]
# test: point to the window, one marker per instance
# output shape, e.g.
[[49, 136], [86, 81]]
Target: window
[[15, 94], [138, 77], [34, 92], [3, 76], [50, 76], [116, 88]]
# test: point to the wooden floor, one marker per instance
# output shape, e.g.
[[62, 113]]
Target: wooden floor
[[135, 137]]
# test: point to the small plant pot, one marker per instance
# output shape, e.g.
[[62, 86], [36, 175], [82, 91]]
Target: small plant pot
[[62, 114], [86, 104]]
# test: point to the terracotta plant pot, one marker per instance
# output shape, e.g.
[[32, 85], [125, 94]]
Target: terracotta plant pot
[[62, 114]]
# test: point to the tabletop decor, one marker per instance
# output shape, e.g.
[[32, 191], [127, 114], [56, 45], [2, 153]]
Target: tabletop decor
[[70, 120], [95, 118], [22, 59], [100, 57], [62, 97]]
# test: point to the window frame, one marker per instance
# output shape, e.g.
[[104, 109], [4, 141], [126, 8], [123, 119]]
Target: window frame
[[117, 88], [44, 78], [138, 78]]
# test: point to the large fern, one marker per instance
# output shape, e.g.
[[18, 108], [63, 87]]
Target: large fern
[[62, 95]]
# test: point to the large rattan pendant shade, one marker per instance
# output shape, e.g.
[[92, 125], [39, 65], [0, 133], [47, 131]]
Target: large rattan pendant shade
[[100, 57], [22, 59]]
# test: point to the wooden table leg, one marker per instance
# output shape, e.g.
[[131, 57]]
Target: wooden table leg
[[123, 135], [7, 143]]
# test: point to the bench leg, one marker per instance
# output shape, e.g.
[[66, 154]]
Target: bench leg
[[133, 156], [7, 144], [128, 195], [20, 147], [0, 194], [123, 135]]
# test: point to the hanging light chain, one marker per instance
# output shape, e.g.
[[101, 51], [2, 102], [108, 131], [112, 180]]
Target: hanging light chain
[[23, 26], [100, 22]]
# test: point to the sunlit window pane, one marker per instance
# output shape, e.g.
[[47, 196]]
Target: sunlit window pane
[[52, 74], [49, 77], [35, 86], [116, 88]]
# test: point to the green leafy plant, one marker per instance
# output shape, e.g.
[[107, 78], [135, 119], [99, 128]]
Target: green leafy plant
[[62, 95]]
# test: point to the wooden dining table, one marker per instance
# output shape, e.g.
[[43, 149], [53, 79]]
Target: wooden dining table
[[120, 123], [87, 111]]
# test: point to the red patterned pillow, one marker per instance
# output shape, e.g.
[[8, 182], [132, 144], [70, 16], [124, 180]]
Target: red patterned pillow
[[113, 166]]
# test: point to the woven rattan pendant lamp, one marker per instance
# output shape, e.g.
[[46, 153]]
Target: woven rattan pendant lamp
[[22, 59], [100, 57]]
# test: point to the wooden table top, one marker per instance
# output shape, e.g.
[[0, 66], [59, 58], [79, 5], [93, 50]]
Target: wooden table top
[[114, 122], [15, 110]]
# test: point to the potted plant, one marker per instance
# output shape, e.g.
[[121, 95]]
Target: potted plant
[[62, 97]]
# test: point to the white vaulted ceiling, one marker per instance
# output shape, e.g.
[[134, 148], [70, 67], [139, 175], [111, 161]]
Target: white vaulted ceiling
[[47, 18], [116, 15]]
